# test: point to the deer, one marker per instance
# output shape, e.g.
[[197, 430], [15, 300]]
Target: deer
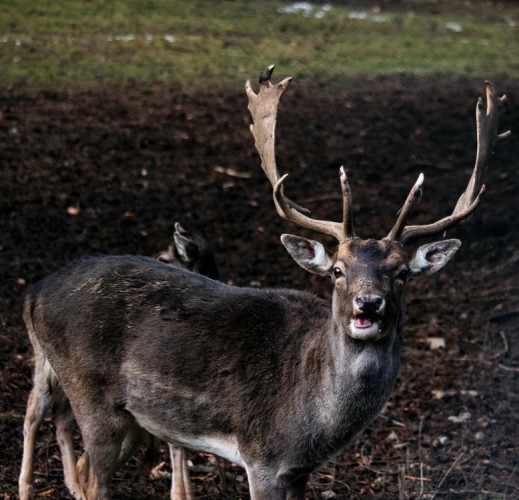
[[275, 380], [190, 251], [187, 250]]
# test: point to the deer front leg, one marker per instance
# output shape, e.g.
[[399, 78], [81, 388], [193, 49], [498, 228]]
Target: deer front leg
[[110, 439], [94, 485], [268, 482], [296, 490], [181, 488], [264, 483]]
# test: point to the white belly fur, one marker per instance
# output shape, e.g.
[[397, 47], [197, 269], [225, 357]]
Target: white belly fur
[[225, 446]]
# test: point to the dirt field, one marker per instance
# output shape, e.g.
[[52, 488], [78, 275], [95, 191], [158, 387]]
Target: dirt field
[[111, 172]]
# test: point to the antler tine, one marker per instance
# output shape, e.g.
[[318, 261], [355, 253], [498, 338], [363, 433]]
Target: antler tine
[[412, 199], [263, 108], [347, 205], [487, 139]]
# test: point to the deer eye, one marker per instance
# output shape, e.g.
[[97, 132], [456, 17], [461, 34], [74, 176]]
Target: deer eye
[[402, 275], [337, 272]]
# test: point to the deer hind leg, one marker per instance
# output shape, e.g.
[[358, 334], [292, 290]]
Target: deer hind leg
[[33, 417], [110, 439], [47, 392], [40, 399], [181, 488], [64, 421]]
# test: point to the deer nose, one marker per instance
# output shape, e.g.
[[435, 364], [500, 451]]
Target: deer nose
[[370, 304]]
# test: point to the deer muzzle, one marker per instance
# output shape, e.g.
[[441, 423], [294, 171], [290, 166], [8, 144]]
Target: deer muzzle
[[368, 310]]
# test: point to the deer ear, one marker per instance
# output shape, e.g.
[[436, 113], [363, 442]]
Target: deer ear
[[309, 254], [431, 257], [186, 247]]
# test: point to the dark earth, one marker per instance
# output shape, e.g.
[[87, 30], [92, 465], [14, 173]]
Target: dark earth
[[111, 171]]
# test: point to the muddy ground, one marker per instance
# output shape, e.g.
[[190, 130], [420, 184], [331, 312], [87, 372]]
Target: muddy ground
[[110, 172]]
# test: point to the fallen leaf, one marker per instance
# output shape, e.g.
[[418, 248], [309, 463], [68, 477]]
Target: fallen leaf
[[436, 342], [73, 210], [462, 417], [232, 172]]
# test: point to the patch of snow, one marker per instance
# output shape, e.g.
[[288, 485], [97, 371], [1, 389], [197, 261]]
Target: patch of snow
[[362, 15], [121, 38], [306, 9], [358, 14], [456, 27], [297, 8]]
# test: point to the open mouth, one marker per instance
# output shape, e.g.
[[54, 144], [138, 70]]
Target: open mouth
[[363, 321], [365, 326]]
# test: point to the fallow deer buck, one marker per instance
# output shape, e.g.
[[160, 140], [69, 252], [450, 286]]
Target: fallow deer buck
[[276, 380], [188, 251]]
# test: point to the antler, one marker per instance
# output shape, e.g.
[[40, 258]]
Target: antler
[[487, 139], [263, 108]]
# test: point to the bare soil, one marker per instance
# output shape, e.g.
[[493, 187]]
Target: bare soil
[[111, 171]]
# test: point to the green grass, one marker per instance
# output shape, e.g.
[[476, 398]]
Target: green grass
[[83, 44]]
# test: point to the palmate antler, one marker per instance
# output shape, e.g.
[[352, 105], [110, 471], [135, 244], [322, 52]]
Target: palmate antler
[[263, 107], [487, 139]]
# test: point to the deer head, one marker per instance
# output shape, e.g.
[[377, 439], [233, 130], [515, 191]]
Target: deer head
[[368, 274], [190, 251]]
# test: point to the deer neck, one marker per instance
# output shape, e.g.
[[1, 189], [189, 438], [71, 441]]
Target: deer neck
[[350, 371]]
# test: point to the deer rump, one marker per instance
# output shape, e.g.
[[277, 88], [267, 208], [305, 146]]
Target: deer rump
[[211, 367]]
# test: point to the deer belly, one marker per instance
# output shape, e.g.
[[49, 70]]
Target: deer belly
[[225, 446]]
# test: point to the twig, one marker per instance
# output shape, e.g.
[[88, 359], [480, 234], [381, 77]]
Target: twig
[[458, 458], [503, 316], [513, 369], [422, 479], [509, 479], [505, 348], [418, 478], [476, 493], [506, 368]]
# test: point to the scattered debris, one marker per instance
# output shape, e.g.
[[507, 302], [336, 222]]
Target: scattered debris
[[233, 173], [461, 418], [436, 342]]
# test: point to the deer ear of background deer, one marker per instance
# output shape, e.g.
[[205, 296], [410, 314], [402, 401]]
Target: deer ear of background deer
[[431, 257], [185, 245], [309, 254]]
